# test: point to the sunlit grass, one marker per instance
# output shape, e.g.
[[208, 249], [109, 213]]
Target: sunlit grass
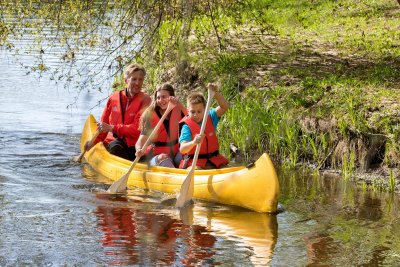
[[348, 166], [332, 60]]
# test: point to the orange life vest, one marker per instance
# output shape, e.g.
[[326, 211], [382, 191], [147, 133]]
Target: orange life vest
[[167, 141], [209, 146], [125, 118]]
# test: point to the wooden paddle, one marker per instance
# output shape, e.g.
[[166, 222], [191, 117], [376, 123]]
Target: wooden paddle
[[90, 145], [121, 184], [187, 186]]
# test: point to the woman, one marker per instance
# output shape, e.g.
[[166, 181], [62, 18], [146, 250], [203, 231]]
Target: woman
[[164, 150]]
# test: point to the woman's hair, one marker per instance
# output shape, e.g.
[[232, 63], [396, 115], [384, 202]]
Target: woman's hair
[[129, 70], [145, 118], [196, 98]]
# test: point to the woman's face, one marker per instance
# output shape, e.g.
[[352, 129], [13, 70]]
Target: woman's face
[[162, 99]]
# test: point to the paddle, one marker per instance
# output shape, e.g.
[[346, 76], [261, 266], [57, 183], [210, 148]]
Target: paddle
[[90, 145], [121, 184], [187, 186]]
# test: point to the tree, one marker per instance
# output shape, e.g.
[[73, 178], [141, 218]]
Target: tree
[[118, 31]]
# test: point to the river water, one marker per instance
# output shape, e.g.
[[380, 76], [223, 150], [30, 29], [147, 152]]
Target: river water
[[51, 213]]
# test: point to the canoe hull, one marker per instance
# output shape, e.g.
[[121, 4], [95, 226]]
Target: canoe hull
[[254, 188]]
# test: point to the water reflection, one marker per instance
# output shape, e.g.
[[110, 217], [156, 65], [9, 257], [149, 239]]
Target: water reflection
[[341, 223], [370, 208], [259, 231], [133, 234]]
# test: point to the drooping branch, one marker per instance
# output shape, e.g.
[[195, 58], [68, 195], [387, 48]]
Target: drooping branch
[[214, 26]]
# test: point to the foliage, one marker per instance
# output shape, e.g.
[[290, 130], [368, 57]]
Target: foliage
[[279, 63]]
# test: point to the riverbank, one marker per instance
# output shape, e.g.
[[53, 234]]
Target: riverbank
[[314, 84]]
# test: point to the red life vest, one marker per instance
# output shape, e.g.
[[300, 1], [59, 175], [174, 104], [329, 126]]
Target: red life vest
[[164, 142], [124, 117], [209, 146]]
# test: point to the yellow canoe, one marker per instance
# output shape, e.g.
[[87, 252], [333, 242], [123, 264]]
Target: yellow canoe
[[255, 188]]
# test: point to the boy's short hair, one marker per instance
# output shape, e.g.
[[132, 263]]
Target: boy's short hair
[[196, 98], [130, 69]]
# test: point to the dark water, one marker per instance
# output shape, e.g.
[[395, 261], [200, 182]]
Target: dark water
[[52, 212]]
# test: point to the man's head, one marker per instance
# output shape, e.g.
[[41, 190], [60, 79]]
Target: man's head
[[134, 77]]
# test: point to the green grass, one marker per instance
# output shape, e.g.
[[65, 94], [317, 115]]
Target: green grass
[[300, 75]]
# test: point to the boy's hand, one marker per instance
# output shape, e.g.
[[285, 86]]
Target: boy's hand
[[198, 138], [214, 87]]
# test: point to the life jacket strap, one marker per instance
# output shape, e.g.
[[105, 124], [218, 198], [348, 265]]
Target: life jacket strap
[[206, 156], [170, 143]]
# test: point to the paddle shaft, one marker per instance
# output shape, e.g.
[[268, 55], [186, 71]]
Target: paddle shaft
[[121, 183], [90, 145], [187, 187], [148, 141], [203, 127]]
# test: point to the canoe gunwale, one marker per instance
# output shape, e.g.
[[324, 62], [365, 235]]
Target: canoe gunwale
[[255, 188]]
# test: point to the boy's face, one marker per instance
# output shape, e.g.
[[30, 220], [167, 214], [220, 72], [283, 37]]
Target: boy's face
[[196, 112]]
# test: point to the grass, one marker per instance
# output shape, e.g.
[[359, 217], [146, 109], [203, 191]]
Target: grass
[[300, 76], [392, 182], [348, 166]]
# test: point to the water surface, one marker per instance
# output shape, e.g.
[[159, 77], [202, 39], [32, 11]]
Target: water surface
[[52, 212]]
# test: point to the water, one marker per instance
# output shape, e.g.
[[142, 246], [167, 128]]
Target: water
[[52, 214]]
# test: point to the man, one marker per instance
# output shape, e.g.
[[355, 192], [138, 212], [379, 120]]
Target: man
[[119, 124]]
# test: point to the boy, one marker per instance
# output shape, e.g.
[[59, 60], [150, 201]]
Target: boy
[[209, 155]]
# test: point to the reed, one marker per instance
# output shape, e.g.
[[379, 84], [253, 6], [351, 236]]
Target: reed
[[364, 186], [348, 165], [256, 127], [391, 182]]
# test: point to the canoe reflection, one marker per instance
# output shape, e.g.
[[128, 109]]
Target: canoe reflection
[[167, 237], [256, 230]]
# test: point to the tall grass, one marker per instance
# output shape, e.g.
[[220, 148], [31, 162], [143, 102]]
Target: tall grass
[[392, 181], [324, 71], [255, 127], [348, 165]]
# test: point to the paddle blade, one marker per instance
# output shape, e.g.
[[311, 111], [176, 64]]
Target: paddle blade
[[119, 186], [186, 192]]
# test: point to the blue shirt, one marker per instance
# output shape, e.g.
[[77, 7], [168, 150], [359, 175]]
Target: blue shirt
[[186, 134]]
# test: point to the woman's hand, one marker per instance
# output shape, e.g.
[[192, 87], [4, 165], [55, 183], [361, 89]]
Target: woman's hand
[[139, 152], [173, 100], [161, 157]]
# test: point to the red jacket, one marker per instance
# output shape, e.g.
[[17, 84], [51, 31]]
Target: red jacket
[[167, 142], [124, 114], [209, 146]]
